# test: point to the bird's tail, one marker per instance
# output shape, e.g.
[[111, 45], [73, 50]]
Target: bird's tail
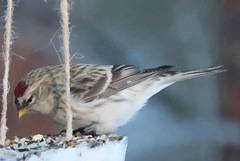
[[173, 76]]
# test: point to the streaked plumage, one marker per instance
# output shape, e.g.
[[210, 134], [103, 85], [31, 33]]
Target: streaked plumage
[[102, 97]]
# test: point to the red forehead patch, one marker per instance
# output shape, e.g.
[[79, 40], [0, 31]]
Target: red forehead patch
[[20, 89]]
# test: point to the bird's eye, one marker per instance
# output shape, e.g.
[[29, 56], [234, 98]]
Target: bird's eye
[[29, 100]]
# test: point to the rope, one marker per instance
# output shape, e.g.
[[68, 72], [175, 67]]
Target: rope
[[64, 10], [6, 58]]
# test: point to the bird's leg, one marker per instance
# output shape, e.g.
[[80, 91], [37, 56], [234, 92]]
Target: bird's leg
[[87, 130], [84, 131], [63, 132], [81, 130]]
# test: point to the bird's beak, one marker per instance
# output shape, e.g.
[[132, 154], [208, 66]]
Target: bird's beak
[[22, 111]]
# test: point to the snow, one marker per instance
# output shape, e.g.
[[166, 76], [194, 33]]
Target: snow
[[101, 148]]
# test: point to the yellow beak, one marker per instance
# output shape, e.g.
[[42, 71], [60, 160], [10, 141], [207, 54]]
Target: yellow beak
[[22, 111]]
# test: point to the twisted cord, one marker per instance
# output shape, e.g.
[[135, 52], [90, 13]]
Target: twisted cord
[[64, 10], [7, 59]]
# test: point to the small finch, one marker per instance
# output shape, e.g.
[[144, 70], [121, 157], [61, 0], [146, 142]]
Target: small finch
[[103, 97]]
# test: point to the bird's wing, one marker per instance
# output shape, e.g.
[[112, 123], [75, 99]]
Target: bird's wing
[[125, 76], [90, 82]]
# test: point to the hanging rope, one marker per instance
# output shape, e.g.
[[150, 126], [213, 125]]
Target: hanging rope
[[6, 58], [64, 9]]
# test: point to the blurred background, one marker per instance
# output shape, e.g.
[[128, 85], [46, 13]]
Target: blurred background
[[195, 120]]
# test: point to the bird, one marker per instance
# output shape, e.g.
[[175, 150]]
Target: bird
[[102, 97]]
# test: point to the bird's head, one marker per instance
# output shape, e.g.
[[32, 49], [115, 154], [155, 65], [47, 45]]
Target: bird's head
[[24, 99], [37, 92]]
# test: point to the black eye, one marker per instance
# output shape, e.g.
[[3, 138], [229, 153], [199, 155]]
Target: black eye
[[29, 100], [16, 101]]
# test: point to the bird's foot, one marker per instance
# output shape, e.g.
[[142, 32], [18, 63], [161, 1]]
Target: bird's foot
[[87, 130]]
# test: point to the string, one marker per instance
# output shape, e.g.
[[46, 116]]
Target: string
[[6, 58], [64, 10]]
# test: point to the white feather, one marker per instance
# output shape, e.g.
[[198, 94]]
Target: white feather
[[109, 114]]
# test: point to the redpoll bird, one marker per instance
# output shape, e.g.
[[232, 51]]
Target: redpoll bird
[[102, 97]]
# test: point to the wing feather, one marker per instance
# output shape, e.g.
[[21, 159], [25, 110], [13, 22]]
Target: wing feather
[[90, 82], [125, 76]]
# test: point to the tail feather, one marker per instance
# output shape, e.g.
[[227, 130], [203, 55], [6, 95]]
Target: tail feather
[[185, 75]]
